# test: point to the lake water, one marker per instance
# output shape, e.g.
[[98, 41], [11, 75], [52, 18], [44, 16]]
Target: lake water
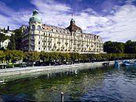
[[99, 85]]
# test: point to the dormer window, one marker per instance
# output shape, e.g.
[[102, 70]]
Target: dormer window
[[39, 27], [33, 27]]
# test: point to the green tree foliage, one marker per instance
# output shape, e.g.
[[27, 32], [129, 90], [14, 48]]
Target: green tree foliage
[[18, 38], [63, 57], [130, 47], [2, 56], [15, 40], [32, 56], [114, 47], [54, 56], [14, 55], [75, 56], [43, 56]]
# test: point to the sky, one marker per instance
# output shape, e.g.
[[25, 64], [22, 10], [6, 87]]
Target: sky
[[113, 20]]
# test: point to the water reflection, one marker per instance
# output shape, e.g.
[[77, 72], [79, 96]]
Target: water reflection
[[105, 84]]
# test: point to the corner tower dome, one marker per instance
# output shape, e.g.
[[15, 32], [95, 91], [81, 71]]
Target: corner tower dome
[[35, 17]]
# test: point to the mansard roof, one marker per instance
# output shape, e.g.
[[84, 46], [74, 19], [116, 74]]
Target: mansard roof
[[58, 29], [73, 27]]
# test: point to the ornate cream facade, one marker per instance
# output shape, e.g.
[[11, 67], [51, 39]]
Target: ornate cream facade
[[41, 37]]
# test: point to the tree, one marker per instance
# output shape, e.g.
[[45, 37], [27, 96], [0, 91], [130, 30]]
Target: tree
[[32, 56], [75, 56], [2, 56], [18, 38], [43, 56], [114, 47], [14, 55], [130, 46], [64, 57], [15, 40]]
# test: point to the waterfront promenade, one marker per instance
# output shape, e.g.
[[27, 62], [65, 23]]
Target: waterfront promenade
[[37, 70]]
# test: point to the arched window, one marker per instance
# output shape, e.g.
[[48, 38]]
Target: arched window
[[33, 27], [39, 27]]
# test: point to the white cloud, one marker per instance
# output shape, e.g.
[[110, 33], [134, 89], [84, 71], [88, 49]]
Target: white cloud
[[11, 18], [53, 13], [120, 26], [123, 27]]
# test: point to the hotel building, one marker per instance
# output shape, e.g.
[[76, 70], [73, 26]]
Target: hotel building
[[42, 37]]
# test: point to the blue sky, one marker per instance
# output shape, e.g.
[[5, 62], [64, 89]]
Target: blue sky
[[111, 19]]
